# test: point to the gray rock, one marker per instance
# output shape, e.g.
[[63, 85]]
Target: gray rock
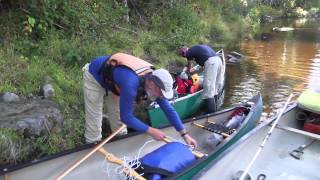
[[9, 97], [47, 91], [31, 117]]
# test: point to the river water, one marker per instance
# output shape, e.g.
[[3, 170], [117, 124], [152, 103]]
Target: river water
[[287, 62]]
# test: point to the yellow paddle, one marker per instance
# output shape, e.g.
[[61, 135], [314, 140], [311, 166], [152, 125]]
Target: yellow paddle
[[110, 157], [225, 135], [76, 164]]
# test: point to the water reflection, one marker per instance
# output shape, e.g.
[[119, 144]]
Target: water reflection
[[289, 62], [314, 76]]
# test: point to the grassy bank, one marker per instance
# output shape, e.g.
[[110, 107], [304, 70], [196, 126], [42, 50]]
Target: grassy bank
[[56, 38]]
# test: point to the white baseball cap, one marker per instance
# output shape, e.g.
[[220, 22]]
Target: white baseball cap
[[164, 81]]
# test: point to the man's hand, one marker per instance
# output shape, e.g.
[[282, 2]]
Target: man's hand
[[189, 66], [189, 140], [184, 74], [157, 134]]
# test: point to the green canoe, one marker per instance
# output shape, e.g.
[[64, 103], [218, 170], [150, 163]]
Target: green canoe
[[185, 106], [96, 166]]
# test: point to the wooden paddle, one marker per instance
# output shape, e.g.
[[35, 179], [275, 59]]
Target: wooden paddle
[[77, 163], [111, 158], [194, 152], [225, 135]]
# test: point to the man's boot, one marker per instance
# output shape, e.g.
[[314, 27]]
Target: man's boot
[[210, 105]]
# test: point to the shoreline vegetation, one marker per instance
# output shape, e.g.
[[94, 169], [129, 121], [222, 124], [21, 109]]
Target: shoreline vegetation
[[56, 38]]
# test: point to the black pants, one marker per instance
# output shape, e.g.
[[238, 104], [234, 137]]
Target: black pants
[[210, 104]]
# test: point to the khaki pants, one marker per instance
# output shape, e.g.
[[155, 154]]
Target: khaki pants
[[213, 77], [93, 94]]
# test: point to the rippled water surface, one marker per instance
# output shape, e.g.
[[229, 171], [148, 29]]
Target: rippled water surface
[[288, 62]]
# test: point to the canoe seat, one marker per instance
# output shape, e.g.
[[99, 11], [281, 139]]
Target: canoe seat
[[218, 128], [229, 126]]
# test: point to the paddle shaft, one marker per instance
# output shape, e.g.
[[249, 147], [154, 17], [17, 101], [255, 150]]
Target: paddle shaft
[[225, 135], [194, 152], [76, 164], [111, 158], [266, 138]]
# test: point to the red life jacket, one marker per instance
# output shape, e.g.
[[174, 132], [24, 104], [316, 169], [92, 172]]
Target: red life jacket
[[183, 86], [186, 86]]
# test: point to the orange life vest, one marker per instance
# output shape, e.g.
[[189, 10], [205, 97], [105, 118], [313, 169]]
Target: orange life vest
[[139, 66]]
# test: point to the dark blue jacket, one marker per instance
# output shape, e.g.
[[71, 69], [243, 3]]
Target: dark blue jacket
[[200, 53]]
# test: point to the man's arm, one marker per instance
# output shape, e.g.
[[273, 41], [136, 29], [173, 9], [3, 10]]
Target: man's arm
[[170, 113], [128, 82], [175, 120], [196, 70], [127, 98], [192, 70], [189, 66]]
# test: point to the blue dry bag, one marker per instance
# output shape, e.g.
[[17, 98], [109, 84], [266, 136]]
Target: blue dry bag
[[166, 160]]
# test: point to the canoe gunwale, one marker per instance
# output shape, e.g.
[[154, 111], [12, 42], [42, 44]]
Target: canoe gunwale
[[249, 117], [244, 138]]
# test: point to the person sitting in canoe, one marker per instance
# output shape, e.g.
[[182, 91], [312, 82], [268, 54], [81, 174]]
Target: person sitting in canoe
[[206, 57], [129, 79]]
